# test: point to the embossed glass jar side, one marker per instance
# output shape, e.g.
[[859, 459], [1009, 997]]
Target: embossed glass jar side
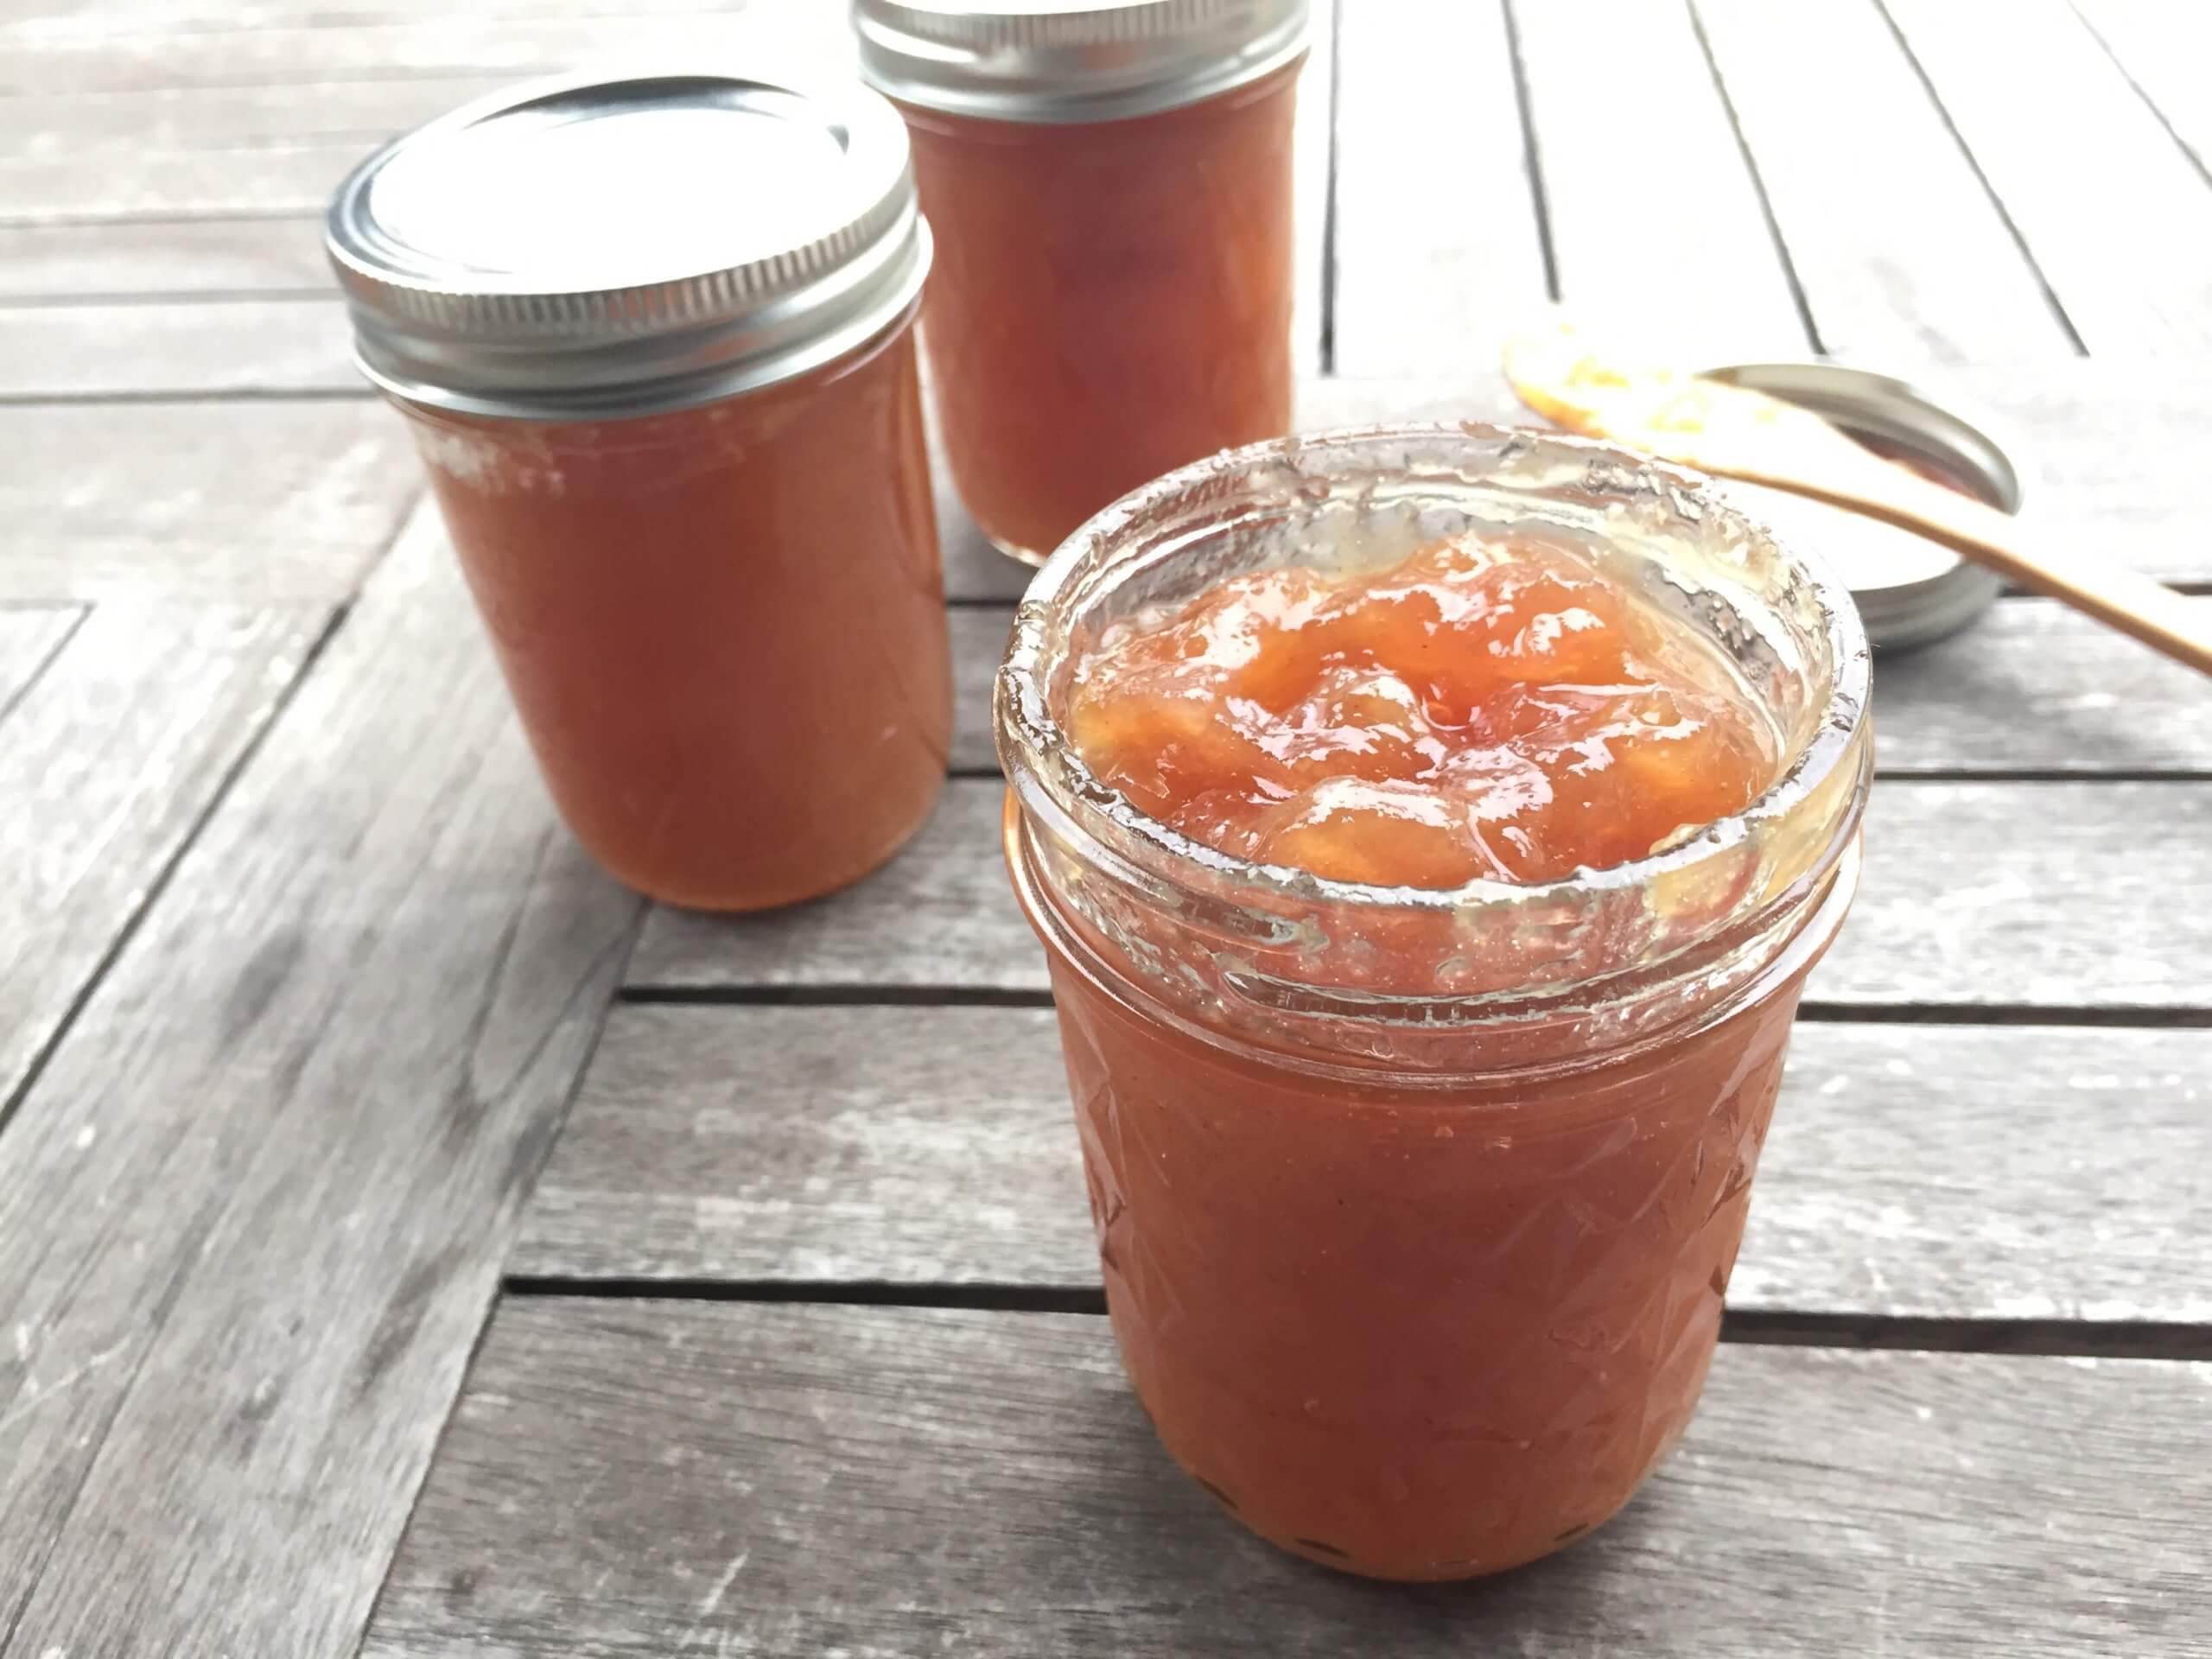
[[1419, 1266]]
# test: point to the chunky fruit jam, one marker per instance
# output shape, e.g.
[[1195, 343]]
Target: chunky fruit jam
[[1484, 709], [1417, 1198]]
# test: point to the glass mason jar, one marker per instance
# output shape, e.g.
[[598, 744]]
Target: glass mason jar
[[1110, 187], [1416, 1208], [676, 437]]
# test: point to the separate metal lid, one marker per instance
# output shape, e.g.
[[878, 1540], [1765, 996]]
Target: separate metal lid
[[1069, 61], [1910, 590], [584, 246]]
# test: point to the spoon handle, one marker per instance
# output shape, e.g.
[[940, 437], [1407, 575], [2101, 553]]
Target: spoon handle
[[2117, 596]]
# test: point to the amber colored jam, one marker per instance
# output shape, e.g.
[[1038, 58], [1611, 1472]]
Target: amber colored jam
[[1415, 1332], [1480, 710], [1111, 299], [1413, 1323], [724, 625]]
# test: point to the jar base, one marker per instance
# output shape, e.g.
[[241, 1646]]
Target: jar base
[[726, 899], [1013, 550], [1417, 1572]]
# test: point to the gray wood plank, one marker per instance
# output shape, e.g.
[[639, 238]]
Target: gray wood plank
[[29, 635], [95, 17], [973, 569], [1437, 250], [625, 1479], [236, 501], [204, 150], [162, 348], [162, 257], [2165, 50], [2037, 687], [939, 916], [2114, 212], [105, 768], [1312, 138], [2106, 448], [119, 53], [1900, 252], [1655, 220], [1978, 895], [251, 1214], [1974, 896], [978, 642], [2033, 687], [1938, 1172], [1993, 1171], [909, 1144]]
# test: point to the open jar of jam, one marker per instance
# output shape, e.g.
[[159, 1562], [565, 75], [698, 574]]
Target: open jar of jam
[[1422, 1030], [655, 337], [1110, 187]]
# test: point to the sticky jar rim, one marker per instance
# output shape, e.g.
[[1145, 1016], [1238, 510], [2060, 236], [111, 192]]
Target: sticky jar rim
[[1035, 753]]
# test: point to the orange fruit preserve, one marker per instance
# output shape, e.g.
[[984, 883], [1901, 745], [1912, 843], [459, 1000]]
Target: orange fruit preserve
[[656, 339], [1111, 298], [652, 585], [1482, 710], [1417, 1198]]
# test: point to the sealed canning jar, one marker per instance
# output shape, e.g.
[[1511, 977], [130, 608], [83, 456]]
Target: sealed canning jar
[[1417, 1206], [655, 339], [1110, 187]]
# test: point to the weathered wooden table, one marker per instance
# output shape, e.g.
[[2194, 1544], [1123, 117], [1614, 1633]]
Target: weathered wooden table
[[409, 1243]]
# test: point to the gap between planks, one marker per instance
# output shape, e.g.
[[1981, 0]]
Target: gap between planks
[[1780, 1328], [856, 995]]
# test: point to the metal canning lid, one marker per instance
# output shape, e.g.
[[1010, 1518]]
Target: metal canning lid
[[584, 246], [1067, 60], [1910, 590]]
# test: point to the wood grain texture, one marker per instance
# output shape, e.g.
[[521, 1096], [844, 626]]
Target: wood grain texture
[[2036, 687], [938, 917], [1975, 895], [978, 644], [2105, 448], [2166, 52], [105, 768], [171, 349], [1900, 252], [29, 635], [95, 18], [1655, 220], [99, 52], [974, 571], [2114, 212], [204, 150], [1312, 140], [1438, 252], [909, 1144], [1997, 1173], [1982, 895], [232, 502], [2032, 687], [648, 1479], [157, 258], [251, 1214], [1940, 1171]]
